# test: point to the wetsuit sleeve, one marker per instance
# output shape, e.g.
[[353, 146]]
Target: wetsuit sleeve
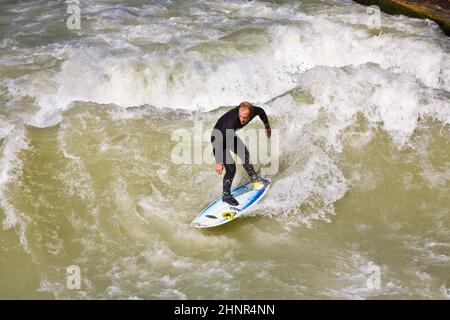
[[262, 115]]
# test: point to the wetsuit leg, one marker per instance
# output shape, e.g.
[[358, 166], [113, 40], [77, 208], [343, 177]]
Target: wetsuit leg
[[241, 150], [230, 171]]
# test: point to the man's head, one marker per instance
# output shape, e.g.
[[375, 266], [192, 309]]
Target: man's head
[[245, 111]]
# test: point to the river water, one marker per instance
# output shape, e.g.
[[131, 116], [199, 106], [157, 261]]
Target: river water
[[359, 204]]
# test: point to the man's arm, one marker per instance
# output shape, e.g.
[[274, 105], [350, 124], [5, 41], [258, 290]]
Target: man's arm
[[262, 115], [218, 155], [217, 144]]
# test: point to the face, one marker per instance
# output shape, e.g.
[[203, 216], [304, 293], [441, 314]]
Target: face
[[244, 115]]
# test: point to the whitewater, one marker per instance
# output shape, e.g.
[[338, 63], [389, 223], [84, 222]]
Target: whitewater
[[87, 176]]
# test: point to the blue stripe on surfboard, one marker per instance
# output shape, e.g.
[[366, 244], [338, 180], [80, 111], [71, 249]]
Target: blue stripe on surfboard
[[235, 192]]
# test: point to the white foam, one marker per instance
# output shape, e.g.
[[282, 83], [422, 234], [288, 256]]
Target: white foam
[[255, 67], [10, 166], [5, 128], [318, 183], [10, 169], [374, 92], [326, 102], [357, 277]]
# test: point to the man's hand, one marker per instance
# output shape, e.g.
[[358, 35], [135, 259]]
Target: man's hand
[[219, 168], [268, 132]]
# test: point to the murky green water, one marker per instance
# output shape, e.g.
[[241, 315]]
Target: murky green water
[[86, 166]]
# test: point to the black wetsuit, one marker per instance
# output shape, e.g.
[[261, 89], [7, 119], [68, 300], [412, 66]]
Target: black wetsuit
[[224, 140]]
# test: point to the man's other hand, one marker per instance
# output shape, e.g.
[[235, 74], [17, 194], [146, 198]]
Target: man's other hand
[[219, 168], [268, 132]]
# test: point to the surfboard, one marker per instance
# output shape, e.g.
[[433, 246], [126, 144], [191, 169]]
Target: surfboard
[[219, 212]]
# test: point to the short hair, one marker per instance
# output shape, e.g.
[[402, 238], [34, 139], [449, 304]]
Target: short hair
[[246, 105]]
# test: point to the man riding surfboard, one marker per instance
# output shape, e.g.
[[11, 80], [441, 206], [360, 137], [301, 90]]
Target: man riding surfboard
[[224, 140]]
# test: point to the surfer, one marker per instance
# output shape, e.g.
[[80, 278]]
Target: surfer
[[224, 140]]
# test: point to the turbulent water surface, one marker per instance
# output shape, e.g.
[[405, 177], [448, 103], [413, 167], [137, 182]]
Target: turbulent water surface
[[86, 171]]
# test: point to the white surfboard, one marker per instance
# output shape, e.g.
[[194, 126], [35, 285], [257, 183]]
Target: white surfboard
[[219, 212]]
